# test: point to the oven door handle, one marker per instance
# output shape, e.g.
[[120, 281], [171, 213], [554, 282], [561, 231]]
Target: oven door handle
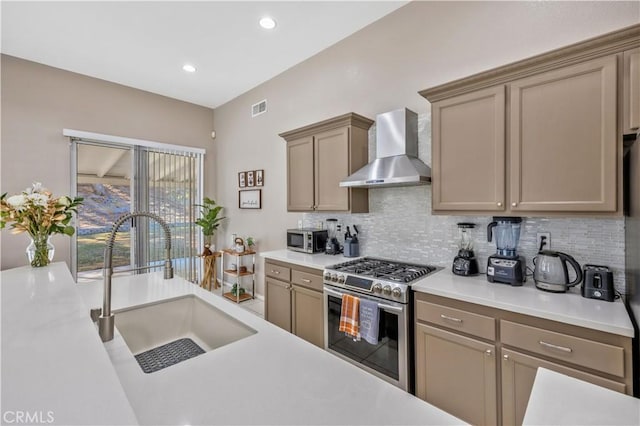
[[380, 305]]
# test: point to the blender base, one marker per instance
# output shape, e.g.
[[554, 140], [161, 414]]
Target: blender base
[[506, 270]]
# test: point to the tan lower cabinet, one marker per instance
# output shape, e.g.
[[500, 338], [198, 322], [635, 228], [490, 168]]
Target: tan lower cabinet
[[306, 308], [456, 374], [277, 303], [518, 375], [293, 300], [479, 363]]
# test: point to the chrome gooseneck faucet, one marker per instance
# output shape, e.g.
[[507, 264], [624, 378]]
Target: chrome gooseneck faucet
[[106, 319]]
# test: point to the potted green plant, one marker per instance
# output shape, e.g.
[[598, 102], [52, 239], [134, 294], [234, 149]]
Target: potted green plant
[[209, 220]]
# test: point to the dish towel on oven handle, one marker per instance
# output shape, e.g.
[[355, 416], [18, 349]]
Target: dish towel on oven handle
[[350, 316], [369, 321]]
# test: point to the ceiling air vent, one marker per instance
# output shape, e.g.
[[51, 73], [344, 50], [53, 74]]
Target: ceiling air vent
[[259, 108]]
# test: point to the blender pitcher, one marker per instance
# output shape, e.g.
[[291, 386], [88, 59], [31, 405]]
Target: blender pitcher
[[507, 231]]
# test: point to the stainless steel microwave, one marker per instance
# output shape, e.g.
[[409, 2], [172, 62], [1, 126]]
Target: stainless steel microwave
[[307, 240]]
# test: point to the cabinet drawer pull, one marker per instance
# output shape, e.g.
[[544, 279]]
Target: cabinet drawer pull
[[505, 357], [552, 346], [488, 352], [304, 280], [275, 272], [514, 204], [499, 204], [448, 318]]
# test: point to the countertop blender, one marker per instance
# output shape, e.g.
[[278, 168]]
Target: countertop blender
[[506, 266], [465, 262]]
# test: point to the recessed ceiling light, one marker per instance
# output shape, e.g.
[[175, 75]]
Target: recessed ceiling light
[[267, 23], [189, 68]]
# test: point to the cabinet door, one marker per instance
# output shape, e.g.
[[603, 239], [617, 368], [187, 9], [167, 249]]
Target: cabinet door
[[300, 195], [456, 374], [277, 303], [563, 139], [331, 166], [307, 315], [631, 110], [468, 167], [518, 375]]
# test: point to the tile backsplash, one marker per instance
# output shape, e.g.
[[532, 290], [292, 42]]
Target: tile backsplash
[[400, 226]]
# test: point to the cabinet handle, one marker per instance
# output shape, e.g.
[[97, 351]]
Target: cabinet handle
[[304, 280], [275, 272], [311, 207], [499, 204], [488, 352], [514, 204], [552, 346], [448, 318], [505, 357]]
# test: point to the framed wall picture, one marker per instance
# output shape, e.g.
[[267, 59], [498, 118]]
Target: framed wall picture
[[250, 199], [250, 178], [242, 179], [259, 177]]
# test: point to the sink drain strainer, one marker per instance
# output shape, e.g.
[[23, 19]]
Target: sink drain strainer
[[168, 354]]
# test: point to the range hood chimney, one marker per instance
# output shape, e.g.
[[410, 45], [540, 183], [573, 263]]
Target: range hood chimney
[[397, 162]]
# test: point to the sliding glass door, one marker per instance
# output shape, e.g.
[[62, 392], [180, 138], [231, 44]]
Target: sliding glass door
[[116, 179]]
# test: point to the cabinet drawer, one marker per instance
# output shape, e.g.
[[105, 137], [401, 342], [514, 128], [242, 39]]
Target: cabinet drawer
[[455, 319], [582, 352], [306, 279], [275, 271]]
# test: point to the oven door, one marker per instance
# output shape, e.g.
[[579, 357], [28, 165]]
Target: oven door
[[388, 359]]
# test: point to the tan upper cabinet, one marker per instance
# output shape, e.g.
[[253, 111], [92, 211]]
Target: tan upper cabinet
[[319, 156], [300, 179], [563, 139], [631, 91], [540, 136], [468, 166]]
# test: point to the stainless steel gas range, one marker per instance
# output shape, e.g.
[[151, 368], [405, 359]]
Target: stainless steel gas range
[[387, 283]]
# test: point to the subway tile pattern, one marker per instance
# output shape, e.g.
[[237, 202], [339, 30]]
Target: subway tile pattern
[[400, 226]]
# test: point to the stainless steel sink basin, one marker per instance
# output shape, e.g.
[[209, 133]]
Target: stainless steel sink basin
[[151, 326]]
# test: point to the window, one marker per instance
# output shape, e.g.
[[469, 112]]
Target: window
[[116, 176]]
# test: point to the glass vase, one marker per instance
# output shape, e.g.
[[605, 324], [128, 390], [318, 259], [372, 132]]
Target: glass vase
[[40, 251]]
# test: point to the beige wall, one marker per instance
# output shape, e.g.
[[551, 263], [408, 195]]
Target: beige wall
[[39, 101], [380, 68]]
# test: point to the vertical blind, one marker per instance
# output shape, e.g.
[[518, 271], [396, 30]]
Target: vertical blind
[[167, 186], [166, 180]]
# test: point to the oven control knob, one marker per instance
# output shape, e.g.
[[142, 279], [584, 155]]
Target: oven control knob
[[334, 277], [327, 277], [341, 279], [397, 292], [387, 290], [377, 288]]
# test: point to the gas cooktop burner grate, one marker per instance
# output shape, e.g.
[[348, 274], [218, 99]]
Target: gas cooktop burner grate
[[384, 269]]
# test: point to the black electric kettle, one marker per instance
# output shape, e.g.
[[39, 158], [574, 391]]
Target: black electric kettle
[[551, 272]]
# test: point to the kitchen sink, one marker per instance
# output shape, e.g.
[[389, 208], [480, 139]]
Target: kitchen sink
[[169, 325]]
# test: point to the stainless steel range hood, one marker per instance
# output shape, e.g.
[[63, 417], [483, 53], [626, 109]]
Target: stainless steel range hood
[[397, 162]]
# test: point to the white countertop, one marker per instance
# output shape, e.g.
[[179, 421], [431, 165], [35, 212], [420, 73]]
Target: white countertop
[[52, 359], [54, 366], [318, 260], [557, 399], [569, 308]]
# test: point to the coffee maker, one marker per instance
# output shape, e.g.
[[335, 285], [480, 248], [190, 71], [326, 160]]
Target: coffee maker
[[465, 262], [506, 266]]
